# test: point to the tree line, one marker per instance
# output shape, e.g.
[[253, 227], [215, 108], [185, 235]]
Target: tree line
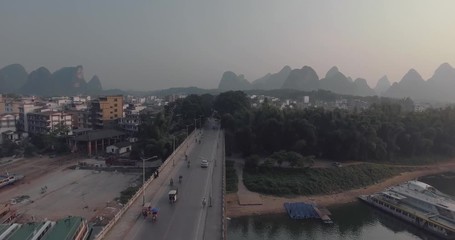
[[383, 132]]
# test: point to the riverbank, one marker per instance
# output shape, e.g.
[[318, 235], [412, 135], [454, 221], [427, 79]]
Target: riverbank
[[273, 204]]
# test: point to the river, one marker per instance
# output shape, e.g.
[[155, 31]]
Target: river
[[351, 221]]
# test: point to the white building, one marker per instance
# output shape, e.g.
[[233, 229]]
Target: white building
[[119, 148], [7, 124]]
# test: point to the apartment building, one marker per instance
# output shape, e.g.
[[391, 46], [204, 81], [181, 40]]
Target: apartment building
[[131, 119], [47, 122], [79, 118], [104, 112], [24, 110]]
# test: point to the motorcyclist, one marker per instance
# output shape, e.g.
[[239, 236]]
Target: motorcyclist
[[154, 214], [204, 202], [144, 212], [180, 178], [172, 181], [189, 163]]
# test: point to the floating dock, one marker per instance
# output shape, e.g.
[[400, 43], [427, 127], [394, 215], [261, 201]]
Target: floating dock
[[301, 210]]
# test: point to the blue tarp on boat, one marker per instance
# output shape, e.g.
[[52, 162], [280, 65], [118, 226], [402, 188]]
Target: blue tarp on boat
[[301, 210]]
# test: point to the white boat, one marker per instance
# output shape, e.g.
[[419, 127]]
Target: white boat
[[9, 179], [420, 204]]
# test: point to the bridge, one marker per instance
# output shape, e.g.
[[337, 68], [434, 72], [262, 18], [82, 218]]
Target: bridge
[[187, 218]]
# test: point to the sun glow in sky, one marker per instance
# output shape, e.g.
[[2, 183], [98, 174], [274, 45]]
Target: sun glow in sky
[[146, 45]]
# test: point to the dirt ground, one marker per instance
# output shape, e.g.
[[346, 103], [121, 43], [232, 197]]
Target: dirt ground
[[50, 190], [273, 204]]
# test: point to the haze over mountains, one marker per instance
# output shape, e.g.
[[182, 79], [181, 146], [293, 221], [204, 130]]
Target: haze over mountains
[[70, 81], [439, 87], [65, 81]]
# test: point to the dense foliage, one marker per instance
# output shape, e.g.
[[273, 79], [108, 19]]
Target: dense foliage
[[231, 178], [310, 181], [382, 132], [158, 133], [387, 131]]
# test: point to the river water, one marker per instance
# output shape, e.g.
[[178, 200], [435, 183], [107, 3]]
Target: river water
[[351, 221]]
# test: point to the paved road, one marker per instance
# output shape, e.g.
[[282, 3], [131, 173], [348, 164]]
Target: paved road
[[187, 218]]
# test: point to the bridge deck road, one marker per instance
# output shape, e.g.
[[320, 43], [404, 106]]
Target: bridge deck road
[[188, 218]]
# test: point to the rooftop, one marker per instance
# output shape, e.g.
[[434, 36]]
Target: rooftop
[[49, 113], [26, 231], [426, 193], [3, 228], [64, 229]]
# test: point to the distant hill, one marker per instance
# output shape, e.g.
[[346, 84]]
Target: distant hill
[[69, 81], [12, 78], [65, 81], [230, 81], [382, 85], [304, 79], [439, 88], [411, 85], [94, 85], [337, 82], [442, 83], [272, 81], [362, 88], [39, 82]]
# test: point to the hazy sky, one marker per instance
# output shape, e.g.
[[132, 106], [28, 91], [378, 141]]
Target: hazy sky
[[145, 45]]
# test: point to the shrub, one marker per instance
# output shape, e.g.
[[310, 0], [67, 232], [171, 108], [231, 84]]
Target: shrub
[[231, 178], [297, 181]]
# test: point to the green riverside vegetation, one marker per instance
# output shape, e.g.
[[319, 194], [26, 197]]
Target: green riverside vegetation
[[231, 178], [312, 181], [126, 194]]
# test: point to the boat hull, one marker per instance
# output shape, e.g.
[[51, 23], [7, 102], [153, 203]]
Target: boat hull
[[7, 181], [411, 218]]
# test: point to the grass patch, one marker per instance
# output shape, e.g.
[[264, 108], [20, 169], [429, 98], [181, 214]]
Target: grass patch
[[126, 194], [311, 181], [129, 192], [231, 178]]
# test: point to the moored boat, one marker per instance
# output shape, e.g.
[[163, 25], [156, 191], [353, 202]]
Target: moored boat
[[6, 180], [9, 179], [420, 204]]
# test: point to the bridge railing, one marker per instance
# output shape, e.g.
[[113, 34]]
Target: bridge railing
[[223, 191], [102, 234]]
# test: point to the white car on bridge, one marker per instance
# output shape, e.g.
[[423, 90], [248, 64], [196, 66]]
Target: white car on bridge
[[204, 163]]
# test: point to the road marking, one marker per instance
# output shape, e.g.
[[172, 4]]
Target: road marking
[[203, 214]]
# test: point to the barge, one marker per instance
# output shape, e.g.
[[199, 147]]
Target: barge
[[420, 204]]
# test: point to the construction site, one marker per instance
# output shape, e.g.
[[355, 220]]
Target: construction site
[[65, 192]]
